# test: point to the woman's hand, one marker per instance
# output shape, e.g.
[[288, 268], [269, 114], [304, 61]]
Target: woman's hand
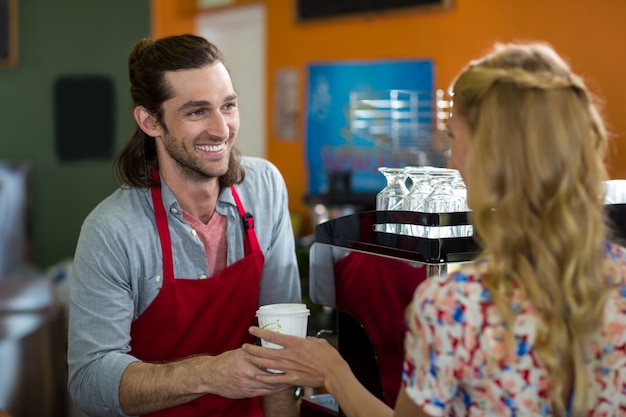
[[313, 362], [309, 362]]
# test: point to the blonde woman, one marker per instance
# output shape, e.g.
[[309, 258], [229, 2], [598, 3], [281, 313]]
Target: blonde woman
[[537, 326]]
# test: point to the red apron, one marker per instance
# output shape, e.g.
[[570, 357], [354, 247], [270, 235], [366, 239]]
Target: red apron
[[201, 316]]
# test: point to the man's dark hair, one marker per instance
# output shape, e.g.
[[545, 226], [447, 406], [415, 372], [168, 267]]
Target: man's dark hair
[[148, 62]]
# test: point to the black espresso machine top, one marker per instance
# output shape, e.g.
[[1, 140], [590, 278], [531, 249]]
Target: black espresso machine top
[[362, 232]]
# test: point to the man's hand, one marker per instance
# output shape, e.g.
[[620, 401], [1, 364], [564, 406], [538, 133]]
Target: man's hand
[[146, 388], [233, 376]]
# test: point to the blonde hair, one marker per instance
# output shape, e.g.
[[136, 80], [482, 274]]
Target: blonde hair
[[535, 185]]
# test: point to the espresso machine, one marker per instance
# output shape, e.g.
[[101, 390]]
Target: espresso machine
[[365, 276], [364, 270]]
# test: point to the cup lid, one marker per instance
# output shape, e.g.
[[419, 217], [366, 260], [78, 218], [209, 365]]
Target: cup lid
[[284, 306], [283, 309]]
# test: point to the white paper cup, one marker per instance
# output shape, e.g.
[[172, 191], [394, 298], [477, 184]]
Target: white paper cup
[[285, 318]]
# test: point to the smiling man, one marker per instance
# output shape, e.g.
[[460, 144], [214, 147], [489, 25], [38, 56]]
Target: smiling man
[[170, 269]]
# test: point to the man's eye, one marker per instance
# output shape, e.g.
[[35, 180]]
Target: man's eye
[[196, 113], [230, 106]]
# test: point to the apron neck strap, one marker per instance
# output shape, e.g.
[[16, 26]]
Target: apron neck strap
[[162, 226], [250, 241]]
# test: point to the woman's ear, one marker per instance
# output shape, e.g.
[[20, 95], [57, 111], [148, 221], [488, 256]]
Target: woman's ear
[[147, 122]]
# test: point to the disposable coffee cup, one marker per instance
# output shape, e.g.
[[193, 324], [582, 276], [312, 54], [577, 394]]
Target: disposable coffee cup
[[285, 318]]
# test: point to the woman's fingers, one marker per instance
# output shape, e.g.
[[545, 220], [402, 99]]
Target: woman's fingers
[[270, 336], [301, 358]]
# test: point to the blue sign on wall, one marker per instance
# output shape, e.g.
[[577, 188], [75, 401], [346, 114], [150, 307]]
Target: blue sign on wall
[[364, 115]]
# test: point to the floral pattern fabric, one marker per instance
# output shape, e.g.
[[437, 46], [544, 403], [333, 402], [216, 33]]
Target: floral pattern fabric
[[455, 362]]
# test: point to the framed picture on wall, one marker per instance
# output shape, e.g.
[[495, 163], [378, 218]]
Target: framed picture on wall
[[362, 115], [8, 33], [319, 9]]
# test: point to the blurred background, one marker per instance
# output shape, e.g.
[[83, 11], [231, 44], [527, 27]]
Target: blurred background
[[65, 112], [76, 39]]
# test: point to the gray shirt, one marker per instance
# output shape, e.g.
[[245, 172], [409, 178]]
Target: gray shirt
[[117, 272]]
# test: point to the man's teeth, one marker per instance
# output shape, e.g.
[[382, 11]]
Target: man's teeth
[[213, 148]]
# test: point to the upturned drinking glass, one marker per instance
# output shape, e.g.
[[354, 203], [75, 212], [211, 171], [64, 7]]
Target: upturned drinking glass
[[459, 189], [442, 200], [419, 191], [392, 196]]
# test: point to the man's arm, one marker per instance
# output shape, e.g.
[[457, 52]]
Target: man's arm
[[281, 278], [282, 404], [146, 388]]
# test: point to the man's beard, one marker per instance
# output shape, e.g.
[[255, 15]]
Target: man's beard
[[189, 164]]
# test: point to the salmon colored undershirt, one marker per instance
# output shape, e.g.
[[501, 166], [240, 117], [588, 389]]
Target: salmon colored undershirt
[[213, 236]]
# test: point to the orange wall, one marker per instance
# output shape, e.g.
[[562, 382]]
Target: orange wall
[[589, 34]]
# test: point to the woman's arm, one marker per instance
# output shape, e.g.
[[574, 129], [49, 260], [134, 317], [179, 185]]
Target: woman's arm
[[314, 362]]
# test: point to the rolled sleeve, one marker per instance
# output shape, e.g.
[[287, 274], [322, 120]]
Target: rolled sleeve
[[102, 308]]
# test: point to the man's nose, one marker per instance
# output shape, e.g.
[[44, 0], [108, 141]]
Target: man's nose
[[217, 125]]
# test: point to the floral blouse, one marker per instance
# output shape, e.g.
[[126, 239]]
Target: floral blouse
[[454, 350]]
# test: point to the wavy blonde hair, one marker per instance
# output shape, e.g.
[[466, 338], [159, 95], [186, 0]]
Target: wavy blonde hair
[[535, 184]]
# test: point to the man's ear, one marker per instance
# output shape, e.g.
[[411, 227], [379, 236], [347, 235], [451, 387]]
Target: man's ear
[[147, 122]]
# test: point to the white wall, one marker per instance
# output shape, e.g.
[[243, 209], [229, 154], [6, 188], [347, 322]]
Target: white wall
[[240, 35]]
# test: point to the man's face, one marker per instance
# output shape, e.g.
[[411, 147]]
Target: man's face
[[201, 121]]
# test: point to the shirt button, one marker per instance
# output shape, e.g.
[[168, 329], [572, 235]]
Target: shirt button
[[202, 276], [157, 278], [174, 210], [193, 232]]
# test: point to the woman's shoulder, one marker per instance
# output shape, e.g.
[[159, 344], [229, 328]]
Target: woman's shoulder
[[467, 274], [615, 263], [616, 250], [464, 285]]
